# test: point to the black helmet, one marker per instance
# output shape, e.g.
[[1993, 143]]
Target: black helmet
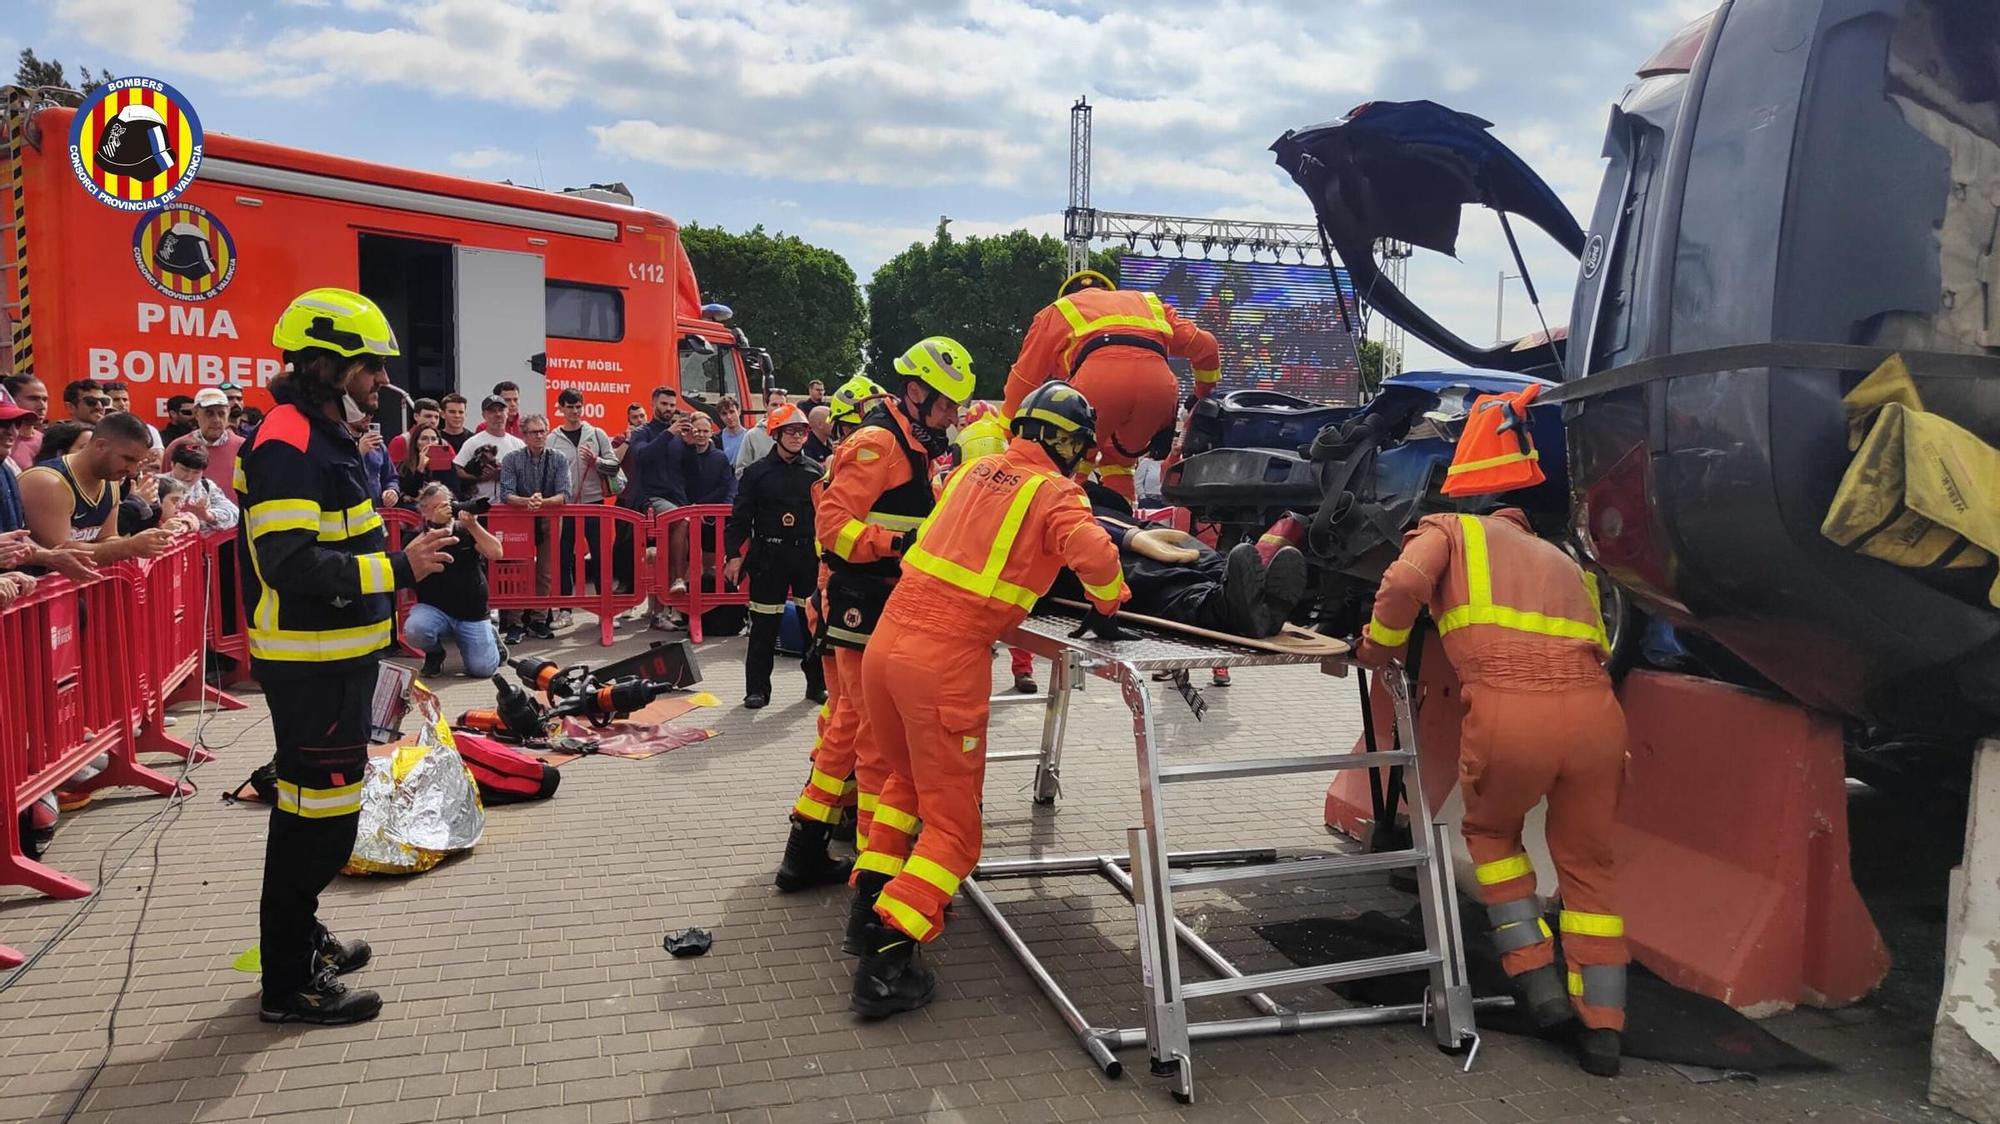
[[185, 252], [135, 144], [1056, 416]]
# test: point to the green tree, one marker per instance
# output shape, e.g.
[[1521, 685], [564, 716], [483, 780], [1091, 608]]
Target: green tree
[[32, 72], [982, 292], [797, 300], [1372, 354]]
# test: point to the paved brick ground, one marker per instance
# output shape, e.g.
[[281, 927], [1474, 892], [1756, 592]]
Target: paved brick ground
[[525, 981]]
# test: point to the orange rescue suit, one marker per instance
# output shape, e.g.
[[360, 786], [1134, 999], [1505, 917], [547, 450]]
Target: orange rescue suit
[[1130, 385], [1521, 625], [1003, 528], [830, 789], [867, 466]]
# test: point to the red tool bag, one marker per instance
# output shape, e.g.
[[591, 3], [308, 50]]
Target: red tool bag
[[505, 775]]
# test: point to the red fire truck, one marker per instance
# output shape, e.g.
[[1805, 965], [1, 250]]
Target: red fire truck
[[483, 282]]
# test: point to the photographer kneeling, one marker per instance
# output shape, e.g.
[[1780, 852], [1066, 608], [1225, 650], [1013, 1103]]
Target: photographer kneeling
[[453, 600]]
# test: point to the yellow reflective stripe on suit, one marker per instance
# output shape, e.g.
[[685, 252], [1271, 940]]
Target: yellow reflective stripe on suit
[[906, 919], [1592, 924], [1107, 592], [1080, 327], [926, 870], [297, 646], [1503, 870], [984, 582], [377, 575], [319, 803], [1384, 635], [1480, 609], [272, 516]]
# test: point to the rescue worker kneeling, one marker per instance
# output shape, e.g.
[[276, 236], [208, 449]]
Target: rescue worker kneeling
[[1002, 529], [1521, 625]]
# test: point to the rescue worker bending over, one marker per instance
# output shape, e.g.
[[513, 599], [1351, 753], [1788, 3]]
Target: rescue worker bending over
[[773, 516], [1002, 529], [877, 492], [1521, 625], [984, 434], [320, 587], [1112, 344]]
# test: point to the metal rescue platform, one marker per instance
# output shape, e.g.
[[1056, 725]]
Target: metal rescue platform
[[1156, 872]]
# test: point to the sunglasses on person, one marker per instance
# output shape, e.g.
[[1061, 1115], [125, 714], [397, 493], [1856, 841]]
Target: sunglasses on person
[[94, 399]]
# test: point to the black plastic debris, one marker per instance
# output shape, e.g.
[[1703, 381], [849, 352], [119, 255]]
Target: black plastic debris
[[688, 942]]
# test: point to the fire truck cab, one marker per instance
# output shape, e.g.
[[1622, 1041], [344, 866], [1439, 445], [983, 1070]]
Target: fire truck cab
[[483, 282]]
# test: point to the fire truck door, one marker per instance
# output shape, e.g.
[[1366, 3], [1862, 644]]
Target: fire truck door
[[501, 316]]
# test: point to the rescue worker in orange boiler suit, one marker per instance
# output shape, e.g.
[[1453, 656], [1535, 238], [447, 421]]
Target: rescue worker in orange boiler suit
[[1520, 622], [1112, 344], [1004, 527], [877, 493]]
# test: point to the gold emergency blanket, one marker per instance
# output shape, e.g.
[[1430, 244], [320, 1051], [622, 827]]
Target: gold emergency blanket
[[1922, 491], [418, 803]]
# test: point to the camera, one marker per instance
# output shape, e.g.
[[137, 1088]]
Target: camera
[[477, 506]]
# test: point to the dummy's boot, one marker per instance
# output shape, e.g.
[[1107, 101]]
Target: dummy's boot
[[891, 976], [1597, 1052], [1284, 586], [1544, 996], [1243, 590], [806, 863], [861, 914]]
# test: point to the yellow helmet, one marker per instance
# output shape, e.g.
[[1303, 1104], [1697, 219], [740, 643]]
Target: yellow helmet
[[1084, 279], [941, 363], [336, 320], [843, 406]]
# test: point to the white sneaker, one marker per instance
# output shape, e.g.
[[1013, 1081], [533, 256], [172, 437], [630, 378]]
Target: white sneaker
[[679, 585], [171, 721]]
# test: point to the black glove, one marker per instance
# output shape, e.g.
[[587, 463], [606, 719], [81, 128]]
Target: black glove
[[1102, 625], [902, 542]]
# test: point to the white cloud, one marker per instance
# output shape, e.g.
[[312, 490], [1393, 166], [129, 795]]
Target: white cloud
[[484, 158]]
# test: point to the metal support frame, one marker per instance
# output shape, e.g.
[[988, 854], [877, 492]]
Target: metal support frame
[[1155, 872]]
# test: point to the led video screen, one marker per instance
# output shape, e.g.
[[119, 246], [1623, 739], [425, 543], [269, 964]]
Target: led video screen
[[1280, 326]]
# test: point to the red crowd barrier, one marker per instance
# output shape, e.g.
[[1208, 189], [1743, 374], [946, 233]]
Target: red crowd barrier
[[621, 538], [74, 679], [702, 571]]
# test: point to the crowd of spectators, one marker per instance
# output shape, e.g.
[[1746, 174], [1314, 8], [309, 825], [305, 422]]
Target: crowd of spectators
[[97, 483]]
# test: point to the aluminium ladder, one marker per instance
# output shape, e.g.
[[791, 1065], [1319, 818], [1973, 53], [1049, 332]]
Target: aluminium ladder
[[1157, 873]]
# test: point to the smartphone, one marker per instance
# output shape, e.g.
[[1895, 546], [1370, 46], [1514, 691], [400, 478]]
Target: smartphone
[[438, 458], [375, 428]]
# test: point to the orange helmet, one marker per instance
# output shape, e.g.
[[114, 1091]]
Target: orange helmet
[[782, 416]]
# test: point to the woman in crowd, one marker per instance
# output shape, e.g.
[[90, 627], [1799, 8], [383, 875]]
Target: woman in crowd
[[420, 466]]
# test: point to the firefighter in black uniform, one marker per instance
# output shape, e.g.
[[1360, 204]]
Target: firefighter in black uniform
[[774, 517], [320, 589]]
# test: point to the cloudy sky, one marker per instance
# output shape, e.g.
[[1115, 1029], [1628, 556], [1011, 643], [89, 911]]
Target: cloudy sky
[[857, 124]]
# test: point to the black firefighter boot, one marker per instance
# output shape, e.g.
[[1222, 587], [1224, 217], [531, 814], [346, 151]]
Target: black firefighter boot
[[806, 863], [1543, 996], [1597, 1051], [891, 976], [861, 912]]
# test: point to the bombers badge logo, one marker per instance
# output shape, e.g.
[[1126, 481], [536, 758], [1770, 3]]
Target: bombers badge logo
[[851, 618], [135, 144], [788, 519], [184, 252]]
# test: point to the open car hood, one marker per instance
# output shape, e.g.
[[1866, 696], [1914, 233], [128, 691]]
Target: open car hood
[[1404, 170]]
